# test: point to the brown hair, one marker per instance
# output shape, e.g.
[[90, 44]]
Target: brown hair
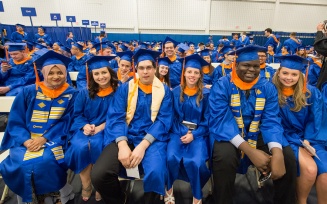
[[299, 98], [94, 87], [166, 77], [199, 84]]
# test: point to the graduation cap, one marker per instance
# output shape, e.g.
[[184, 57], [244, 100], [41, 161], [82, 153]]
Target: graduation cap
[[182, 47], [307, 47], [195, 61], [248, 53], [143, 45], [205, 52], [271, 45], [97, 62], [226, 49], [100, 46], [170, 40], [49, 57], [102, 32], [123, 47], [16, 46], [301, 47], [42, 28], [294, 62], [127, 55], [20, 25], [64, 48], [58, 43], [286, 47], [164, 61], [142, 55], [30, 44], [78, 45]]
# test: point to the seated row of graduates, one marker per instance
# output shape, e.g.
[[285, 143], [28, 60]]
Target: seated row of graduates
[[97, 132]]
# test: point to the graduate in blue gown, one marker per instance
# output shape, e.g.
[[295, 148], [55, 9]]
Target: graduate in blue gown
[[101, 38], [78, 65], [124, 71], [293, 43], [87, 130], [225, 67], [175, 69], [136, 134], [162, 72], [208, 70], [42, 37], [266, 71], [36, 134], [271, 57], [245, 129], [70, 39], [18, 72], [19, 35], [301, 111], [187, 150], [271, 39], [314, 69]]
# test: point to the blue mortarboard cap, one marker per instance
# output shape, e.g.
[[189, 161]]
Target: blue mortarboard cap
[[58, 43], [20, 25], [16, 46], [292, 62], [30, 44], [195, 61], [182, 47], [49, 57], [248, 53], [301, 47], [226, 49], [205, 52], [123, 47], [42, 28], [307, 47], [142, 55], [127, 55], [191, 43], [271, 45], [102, 32], [101, 45], [164, 61], [143, 45], [67, 49], [98, 62], [78, 45], [40, 46], [168, 39]]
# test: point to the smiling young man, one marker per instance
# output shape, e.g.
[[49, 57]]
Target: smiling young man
[[266, 72], [136, 133], [245, 129], [18, 72], [175, 68]]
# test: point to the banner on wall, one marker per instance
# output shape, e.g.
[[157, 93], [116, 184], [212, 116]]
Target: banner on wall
[[1, 7], [55, 16], [27, 11], [71, 19], [102, 25], [94, 23], [85, 22]]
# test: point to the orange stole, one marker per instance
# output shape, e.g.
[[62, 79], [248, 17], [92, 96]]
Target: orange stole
[[53, 93], [190, 91], [105, 92], [145, 88]]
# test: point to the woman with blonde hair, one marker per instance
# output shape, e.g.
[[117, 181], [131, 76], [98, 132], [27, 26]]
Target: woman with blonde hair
[[301, 108]]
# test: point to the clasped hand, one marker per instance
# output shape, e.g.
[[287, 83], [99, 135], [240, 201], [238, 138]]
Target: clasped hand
[[34, 145], [131, 159]]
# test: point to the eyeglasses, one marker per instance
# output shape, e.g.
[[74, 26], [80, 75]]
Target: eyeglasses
[[262, 56]]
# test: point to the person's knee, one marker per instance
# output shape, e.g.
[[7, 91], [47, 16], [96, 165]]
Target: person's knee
[[322, 180], [99, 175], [225, 156], [309, 171]]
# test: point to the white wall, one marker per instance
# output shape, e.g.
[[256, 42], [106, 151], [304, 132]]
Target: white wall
[[176, 16]]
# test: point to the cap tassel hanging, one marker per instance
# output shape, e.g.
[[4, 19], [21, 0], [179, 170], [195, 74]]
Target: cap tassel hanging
[[306, 79], [232, 79], [37, 79], [7, 56], [87, 75], [133, 66], [182, 75]]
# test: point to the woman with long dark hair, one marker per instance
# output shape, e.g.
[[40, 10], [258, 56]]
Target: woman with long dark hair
[[90, 110], [162, 70]]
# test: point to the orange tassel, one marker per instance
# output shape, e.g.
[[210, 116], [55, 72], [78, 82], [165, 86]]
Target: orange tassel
[[133, 66], [37, 79], [7, 56], [182, 76], [306, 79]]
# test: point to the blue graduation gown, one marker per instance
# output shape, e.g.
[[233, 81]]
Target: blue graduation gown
[[195, 154], [236, 43], [313, 73], [267, 73], [222, 124], [17, 77], [218, 72], [272, 41], [306, 125], [18, 38], [245, 42], [292, 45], [175, 71], [214, 56], [84, 150], [80, 67], [141, 124], [271, 59], [46, 38], [69, 42], [207, 79], [48, 174]]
